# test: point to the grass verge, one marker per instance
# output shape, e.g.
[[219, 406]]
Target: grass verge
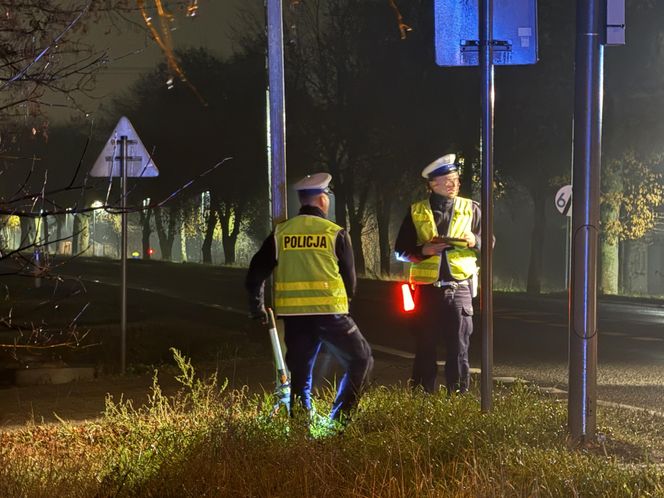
[[207, 441]]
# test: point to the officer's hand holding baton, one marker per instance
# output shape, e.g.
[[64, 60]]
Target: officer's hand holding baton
[[260, 315]]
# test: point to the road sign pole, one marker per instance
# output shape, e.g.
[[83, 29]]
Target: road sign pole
[[277, 110], [486, 266], [460, 29], [589, 65], [568, 244], [137, 165], [123, 255], [276, 128], [563, 202]]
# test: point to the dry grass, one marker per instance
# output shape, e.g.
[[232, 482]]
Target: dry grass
[[207, 441]]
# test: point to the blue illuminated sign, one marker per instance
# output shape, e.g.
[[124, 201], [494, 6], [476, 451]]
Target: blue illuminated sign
[[457, 32]]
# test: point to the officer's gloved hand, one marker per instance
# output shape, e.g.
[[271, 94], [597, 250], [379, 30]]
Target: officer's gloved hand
[[260, 315]]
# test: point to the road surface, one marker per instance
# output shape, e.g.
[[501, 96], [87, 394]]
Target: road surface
[[530, 333]]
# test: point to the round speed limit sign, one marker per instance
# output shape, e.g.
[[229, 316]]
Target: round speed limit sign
[[564, 200]]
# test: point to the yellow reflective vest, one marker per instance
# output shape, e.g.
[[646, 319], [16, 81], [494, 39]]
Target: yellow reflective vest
[[462, 261], [307, 279]]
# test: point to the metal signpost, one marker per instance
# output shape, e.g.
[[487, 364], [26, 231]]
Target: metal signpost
[[276, 135], [124, 156], [507, 36], [486, 143], [563, 201], [277, 110], [598, 23]]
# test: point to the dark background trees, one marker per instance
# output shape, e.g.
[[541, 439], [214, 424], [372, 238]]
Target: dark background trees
[[190, 136], [373, 109], [377, 109], [534, 107], [632, 148]]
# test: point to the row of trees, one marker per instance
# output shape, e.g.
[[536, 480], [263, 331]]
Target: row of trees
[[217, 149], [373, 109], [48, 60], [190, 138]]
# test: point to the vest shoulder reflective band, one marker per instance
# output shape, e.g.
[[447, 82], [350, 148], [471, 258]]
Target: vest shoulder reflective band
[[462, 261], [307, 280]]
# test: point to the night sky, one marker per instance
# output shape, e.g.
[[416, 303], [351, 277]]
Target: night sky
[[132, 52]]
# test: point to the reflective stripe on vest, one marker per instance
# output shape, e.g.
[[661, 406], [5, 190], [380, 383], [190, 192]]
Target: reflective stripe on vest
[[462, 261], [307, 280]]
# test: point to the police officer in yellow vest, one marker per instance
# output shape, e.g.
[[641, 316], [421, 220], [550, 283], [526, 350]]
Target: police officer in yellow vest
[[440, 237], [314, 281]]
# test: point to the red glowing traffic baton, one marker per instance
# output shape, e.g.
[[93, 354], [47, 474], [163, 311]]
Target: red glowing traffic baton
[[407, 298]]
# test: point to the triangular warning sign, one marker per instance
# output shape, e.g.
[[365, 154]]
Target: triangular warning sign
[[138, 161]]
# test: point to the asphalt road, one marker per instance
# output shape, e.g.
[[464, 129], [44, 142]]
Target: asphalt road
[[530, 333]]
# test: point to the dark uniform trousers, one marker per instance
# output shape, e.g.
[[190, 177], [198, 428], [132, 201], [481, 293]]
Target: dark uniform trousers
[[304, 336], [445, 314]]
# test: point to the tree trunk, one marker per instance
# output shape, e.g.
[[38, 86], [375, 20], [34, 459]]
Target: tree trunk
[[146, 231], [470, 157], [340, 216], [211, 224], [622, 268], [339, 191], [355, 219], [84, 243], [534, 284], [173, 226], [4, 234], [356, 227], [166, 234], [28, 234], [228, 243], [183, 243], [45, 229], [609, 277], [76, 227], [609, 266], [80, 234], [636, 264], [383, 211], [229, 234], [161, 230], [60, 220]]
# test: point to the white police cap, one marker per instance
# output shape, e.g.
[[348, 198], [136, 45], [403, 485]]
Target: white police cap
[[441, 166], [316, 183]]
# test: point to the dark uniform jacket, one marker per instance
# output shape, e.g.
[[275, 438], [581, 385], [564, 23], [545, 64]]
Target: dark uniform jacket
[[265, 260], [406, 247]]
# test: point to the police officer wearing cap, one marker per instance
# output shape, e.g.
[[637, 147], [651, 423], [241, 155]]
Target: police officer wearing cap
[[314, 282], [440, 237]]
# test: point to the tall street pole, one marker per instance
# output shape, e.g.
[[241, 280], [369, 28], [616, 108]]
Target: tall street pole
[[486, 263], [277, 110], [276, 131], [589, 69], [124, 145]]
